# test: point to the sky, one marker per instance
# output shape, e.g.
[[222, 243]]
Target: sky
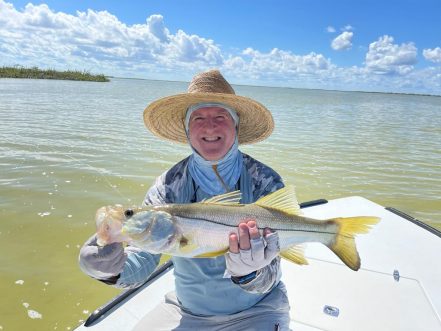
[[377, 45]]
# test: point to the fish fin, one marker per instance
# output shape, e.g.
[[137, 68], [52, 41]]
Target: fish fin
[[212, 254], [230, 198], [164, 258], [295, 254], [283, 200], [344, 245]]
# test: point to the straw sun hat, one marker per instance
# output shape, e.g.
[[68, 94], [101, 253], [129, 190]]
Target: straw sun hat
[[165, 117]]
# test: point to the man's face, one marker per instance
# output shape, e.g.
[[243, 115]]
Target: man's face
[[212, 132]]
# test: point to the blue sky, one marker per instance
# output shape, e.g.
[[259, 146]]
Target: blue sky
[[389, 46]]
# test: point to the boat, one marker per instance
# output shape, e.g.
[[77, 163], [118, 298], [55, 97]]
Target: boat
[[398, 286]]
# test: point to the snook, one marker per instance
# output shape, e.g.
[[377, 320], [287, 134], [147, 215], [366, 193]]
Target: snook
[[201, 229]]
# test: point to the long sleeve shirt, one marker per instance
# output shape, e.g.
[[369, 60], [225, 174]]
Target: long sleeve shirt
[[200, 284]]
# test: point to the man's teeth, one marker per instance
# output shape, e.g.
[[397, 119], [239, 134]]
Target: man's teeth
[[211, 138]]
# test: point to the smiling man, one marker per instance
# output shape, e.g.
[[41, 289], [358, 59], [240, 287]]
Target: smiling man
[[211, 131], [240, 290]]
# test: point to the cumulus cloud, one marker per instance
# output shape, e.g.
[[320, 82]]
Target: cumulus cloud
[[278, 61], [385, 57], [433, 55], [43, 37], [98, 40], [156, 27], [342, 41]]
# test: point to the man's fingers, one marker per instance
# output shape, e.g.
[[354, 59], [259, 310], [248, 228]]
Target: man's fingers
[[272, 248], [244, 237], [253, 230], [234, 243], [267, 231]]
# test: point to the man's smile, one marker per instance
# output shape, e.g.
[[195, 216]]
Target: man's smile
[[211, 139]]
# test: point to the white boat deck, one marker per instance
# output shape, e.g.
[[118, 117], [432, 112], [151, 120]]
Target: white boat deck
[[397, 288]]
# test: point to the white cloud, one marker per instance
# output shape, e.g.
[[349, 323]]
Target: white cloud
[[39, 36], [330, 29], [347, 28], [278, 61], [156, 27], [192, 48], [433, 55], [385, 57], [99, 41], [342, 41]]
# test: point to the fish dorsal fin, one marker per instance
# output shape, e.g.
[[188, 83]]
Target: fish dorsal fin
[[283, 200], [230, 198], [295, 254]]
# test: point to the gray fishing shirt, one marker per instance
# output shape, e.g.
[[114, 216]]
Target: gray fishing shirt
[[200, 284]]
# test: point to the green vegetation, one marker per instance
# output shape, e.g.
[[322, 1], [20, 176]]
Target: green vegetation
[[36, 73]]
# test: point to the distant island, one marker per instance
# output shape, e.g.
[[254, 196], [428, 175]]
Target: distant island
[[37, 73]]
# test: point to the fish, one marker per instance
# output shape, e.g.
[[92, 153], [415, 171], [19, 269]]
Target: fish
[[201, 229]]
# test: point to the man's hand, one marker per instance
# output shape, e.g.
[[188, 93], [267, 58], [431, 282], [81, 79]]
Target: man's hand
[[101, 262], [250, 251]]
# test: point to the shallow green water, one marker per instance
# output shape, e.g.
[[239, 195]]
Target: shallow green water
[[67, 148]]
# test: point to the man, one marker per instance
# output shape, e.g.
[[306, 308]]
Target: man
[[238, 291]]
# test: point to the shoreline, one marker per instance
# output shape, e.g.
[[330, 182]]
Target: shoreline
[[37, 73], [294, 88]]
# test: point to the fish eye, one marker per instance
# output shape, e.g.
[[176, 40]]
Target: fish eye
[[128, 213]]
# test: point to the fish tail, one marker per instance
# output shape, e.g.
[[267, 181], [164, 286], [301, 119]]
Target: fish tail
[[344, 243]]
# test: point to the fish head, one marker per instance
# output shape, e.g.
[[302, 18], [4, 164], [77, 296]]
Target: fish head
[[109, 222], [152, 229]]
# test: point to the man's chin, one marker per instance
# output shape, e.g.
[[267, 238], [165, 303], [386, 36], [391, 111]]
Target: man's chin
[[212, 155]]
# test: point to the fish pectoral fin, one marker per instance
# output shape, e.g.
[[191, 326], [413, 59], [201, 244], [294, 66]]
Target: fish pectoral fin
[[230, 198], [295, 254], [283, 200], [344, 243], [213, 254], [164, 258]]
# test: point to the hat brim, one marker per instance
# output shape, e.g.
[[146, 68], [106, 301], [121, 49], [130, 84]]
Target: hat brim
[[165, 117]]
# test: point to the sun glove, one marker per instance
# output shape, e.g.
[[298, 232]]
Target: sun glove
[[101, 262], [262, 251]]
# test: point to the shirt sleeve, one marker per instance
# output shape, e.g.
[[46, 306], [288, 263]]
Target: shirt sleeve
[[139, 265], [267, 278]]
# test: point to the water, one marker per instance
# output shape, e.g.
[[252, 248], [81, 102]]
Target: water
[[67, 148]]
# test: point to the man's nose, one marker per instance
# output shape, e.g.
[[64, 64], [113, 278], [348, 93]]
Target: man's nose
[[210, 123]]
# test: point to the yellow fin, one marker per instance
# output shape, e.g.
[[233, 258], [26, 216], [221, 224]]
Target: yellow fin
[[230, 198], [213, 254], [164, 258], [283, 200], [344, 244], [295, 254]]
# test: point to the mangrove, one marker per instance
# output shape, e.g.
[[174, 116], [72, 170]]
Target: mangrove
[[37, 73]]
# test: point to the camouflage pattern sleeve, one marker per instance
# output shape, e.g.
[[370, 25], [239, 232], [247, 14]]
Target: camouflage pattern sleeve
[[170, 187], [264, 180], [266, 279]]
